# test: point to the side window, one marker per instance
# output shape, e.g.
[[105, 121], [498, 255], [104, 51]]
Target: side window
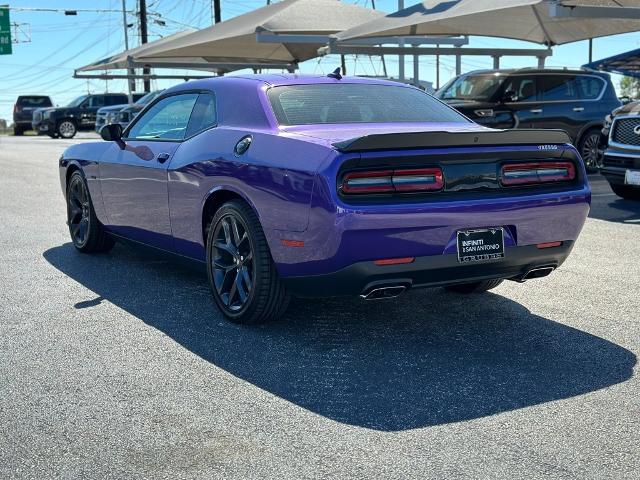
[[559, 88], [204, 114], [97, 101], [522, 88], [590, 87], [115, 100], [167, 119]]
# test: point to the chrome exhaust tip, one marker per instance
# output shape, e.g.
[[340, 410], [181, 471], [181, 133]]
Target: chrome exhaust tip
[[382, 293], [537, 272]]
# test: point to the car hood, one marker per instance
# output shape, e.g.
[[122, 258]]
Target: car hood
[[632, 108], [468, 104], [330, 134], [112, 108]]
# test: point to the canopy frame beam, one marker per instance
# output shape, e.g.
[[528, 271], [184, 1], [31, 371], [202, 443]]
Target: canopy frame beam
[[557, 10]]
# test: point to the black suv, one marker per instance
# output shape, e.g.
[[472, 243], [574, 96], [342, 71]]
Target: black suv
[[621, 162], [80, 114], [23, 110], [576, 101]]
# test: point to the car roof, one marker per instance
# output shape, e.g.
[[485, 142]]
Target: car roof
[[277, 80], [559, 71]]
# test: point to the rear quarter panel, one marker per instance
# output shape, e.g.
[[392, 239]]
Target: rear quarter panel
[[275, 176]]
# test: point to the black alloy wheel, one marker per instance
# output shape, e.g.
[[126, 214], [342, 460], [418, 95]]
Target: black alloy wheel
[[242, 276], [87, 234], [590, 150], [233, 271], [78, 211]]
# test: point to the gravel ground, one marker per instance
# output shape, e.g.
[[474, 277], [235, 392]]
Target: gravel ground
[[119, 366]]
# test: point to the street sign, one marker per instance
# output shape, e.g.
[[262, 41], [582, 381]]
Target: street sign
[[5, 31]]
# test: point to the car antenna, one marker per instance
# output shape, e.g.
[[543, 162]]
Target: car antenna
[[335, 74]]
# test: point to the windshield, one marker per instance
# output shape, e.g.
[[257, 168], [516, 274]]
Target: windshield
[[148, 97], [77, 101], [471, 87], [357, 103]]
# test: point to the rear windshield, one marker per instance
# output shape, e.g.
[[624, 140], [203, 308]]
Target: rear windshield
[[34, 102], [356, 103]]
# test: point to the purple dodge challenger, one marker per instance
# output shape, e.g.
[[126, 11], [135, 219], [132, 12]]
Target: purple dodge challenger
[[322, 186]]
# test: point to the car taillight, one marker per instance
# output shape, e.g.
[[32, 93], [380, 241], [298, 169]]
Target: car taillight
[[388, 181], [537, 172], [16, 109]]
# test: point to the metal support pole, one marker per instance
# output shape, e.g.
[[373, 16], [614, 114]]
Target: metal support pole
[[496, 62], [458, 64], [343, 64], [416, 70], [541, 62], [401, 44], [437, 69], [131, 83], [590, 50]]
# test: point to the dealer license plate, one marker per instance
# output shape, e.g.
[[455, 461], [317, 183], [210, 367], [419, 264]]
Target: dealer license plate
[[480, 245], [632, 177]]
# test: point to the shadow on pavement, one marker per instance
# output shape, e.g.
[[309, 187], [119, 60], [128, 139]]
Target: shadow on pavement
[[427, 358], [606, 205]]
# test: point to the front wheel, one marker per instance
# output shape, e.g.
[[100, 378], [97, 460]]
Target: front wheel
[[624, 191], [87, 233], [66, 129], [242, 276], [589, 148], [475, 287]]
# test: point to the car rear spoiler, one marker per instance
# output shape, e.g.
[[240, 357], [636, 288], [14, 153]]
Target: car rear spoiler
[[398, 141]]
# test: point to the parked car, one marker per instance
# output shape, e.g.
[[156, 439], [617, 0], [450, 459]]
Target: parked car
[[621, 162], [23, 110], [112, 114], [108, 114], [127, 114], [80, 114], [576, 101], [321, 186]]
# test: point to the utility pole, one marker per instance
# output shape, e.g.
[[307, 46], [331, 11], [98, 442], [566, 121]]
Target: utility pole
[[131, 82], [217, 16], [143, 40]]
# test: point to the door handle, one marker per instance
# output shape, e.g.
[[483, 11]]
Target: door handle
[[578, 109], [163, 157], [536, 110]]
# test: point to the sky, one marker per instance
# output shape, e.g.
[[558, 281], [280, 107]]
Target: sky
[[53, 45]]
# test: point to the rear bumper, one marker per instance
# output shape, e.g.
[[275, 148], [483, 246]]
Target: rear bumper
[[430, 271]]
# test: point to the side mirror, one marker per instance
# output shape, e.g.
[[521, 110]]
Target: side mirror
[[509, 96], [112, 133]]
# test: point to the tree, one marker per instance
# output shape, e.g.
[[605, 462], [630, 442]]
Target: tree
[[630, 87]]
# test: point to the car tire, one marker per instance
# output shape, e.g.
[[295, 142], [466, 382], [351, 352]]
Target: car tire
[[589, 148], [87, 233], [242, 275], [475, 287], [66, 129], [626, 192], [18, 131]]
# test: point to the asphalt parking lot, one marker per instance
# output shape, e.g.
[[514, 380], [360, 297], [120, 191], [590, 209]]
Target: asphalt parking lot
[[119, 365]]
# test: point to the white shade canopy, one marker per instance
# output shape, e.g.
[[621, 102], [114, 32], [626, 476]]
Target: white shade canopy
[[541, 21], [235, 40], [120, 60]]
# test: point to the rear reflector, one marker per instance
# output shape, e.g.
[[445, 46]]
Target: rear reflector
[[388, 181], [537, 172], [549, 244], [292, 243], [394, 261]]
